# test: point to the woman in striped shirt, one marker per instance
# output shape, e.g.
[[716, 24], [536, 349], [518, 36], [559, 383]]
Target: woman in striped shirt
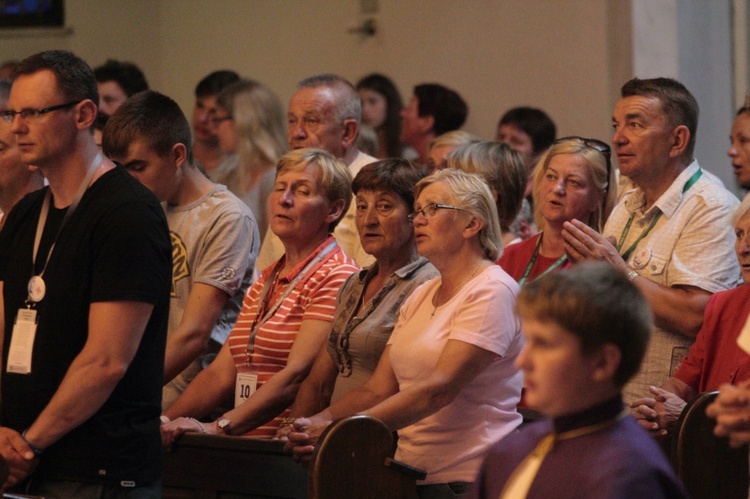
[[286, 314]]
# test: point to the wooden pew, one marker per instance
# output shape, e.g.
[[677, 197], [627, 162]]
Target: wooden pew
[[352, 460], [706, 464], [212, 466]]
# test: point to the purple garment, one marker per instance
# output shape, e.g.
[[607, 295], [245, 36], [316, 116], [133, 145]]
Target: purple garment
[[618, 461]]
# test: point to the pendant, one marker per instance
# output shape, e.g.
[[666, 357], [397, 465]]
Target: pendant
[[37, 289]]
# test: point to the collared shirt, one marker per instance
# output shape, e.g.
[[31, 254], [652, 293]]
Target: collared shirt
[[692, 244], [619, 460], [372, 326], [313, 298]]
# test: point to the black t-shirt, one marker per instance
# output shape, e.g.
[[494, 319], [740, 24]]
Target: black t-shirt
[[115, 247]]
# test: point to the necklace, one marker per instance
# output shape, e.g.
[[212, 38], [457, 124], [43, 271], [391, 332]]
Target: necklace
[[457, 288]]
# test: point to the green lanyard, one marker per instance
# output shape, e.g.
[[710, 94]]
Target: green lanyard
[[691, 181], [533, 261]]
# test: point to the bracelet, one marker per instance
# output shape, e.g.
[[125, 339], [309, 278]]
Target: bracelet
[[37, 450], [632, 274], [200, 425], [287, 421]]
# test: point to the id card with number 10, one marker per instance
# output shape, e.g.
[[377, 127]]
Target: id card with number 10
[[244, 386]]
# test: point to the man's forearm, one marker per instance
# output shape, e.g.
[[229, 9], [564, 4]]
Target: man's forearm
[[86, 387], [182, 349], [676, 309], [115, 331]]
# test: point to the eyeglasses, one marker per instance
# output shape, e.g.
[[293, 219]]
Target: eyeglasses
[[432, 208], [34, 114], [218, 119], [594, 144]]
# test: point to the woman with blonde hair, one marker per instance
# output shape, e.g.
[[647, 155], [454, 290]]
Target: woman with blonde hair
[[250, 123], [572, 181], [446, 380], [445, 144]]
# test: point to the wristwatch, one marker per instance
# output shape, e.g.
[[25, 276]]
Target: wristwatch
[[225, 426]]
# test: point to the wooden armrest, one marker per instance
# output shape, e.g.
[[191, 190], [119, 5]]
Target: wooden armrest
[[706, 464], [353, 460]]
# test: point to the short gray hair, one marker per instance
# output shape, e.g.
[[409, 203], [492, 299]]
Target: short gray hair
[[471, 193], [347, 105], [501, 167]]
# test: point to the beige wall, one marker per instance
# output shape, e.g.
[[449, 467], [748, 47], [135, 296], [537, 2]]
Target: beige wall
[[126, 29], [497, 54], [566, 57]]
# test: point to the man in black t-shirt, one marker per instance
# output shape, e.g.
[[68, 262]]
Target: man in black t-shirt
[[85, 277]]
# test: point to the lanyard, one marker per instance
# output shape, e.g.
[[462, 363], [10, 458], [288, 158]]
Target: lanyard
[[531, 263], [691, 181], [340, 340], [45, 211], [265, 298]]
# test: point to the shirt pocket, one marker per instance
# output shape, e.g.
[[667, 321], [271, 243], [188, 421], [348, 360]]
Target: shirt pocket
[[656, 266]]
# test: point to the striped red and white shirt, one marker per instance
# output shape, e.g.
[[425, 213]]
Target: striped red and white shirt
[[314, 298]]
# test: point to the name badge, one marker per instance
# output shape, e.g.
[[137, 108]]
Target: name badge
[[641, 259], [244, 387], [22, 342]]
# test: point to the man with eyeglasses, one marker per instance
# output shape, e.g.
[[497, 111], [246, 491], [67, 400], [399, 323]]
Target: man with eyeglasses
[[325, 112], [209, 157], [85, 275], [672, 235]]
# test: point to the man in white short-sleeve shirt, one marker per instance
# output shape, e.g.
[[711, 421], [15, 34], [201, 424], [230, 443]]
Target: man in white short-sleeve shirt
[[672, 234]]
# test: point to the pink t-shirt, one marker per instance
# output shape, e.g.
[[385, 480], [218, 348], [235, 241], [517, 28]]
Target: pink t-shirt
[[450, 444]]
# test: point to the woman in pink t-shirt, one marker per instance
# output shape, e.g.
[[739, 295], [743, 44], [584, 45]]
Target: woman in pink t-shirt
[[446, 380]]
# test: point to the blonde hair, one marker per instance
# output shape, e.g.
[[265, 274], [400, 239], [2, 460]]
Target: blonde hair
[[471, 193], [455, 138], [332, 176], [261, 127], [602, 177]]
